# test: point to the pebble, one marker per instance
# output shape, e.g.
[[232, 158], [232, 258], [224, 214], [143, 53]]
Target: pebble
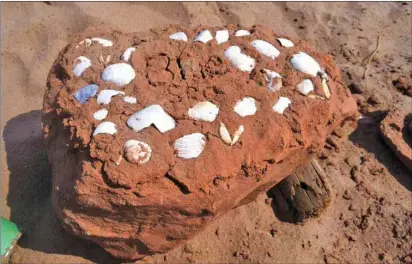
[[86, 92], [100, 114], [130, 99], [119, 74], [222, 36], [80, 65]]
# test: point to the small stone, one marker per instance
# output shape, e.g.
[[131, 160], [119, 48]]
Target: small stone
[[353, 160], [375, 99]]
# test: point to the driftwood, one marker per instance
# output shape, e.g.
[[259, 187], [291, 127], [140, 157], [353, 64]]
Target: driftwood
[[304, 194]]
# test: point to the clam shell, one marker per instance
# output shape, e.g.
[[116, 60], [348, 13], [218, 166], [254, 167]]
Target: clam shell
[[305, 87], [239, 60], [137, 152], [153, 114], [100, 114], [80, 65], [237, 134], [105, 96], [285, 42], [304, 63], [281, 104], [130, 99], [204, 36], [179, 36], [222, 36], [190, 146], [241, 33], [224, 134], [245, 107], [119, 74], [274, 80], [204, 111], [105, 128], [127, 53], [265, 48], [84, 93], [103, 42]]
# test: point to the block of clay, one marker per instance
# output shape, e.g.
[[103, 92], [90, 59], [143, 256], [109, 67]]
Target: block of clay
[[204, 133]]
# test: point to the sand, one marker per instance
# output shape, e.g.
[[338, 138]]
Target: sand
[[369, 219]]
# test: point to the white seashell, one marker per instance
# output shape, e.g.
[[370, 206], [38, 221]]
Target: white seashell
[[127, 53], [224, 134], [281, 104], [130, 99], [87, 42], [239, 60], [204, 36], [325, 86], [305, 87], [80, 65], [222, 36], [101, 114], [285, 42], [190, 146], [105, 128], [265, 48], [245, 107], [105, 96], [137, 151], [274, 80], [304, 63], [153, 114], [179, 36], [103, 42], [241, 33], [204, 111], [119, 74], [237, 134]]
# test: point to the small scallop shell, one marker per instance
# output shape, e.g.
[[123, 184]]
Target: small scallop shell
[[105, 96], [119, 74], [274, 80], [222, 36], [304, 63], [281, 104], [127, 53], [241, 33], [237, 134], [204, 111], [285, 42], [105, 128], [137, 151], [204, 36], [265, 48], [80, 65], [101, 114], [224, 134], [179, 36], [84, 93], [305, 87], [245, 107], [239, 60], [153, 114], [130, 99], [103, 42], [190, 146]]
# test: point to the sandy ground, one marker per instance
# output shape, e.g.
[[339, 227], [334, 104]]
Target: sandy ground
[[370, 217]]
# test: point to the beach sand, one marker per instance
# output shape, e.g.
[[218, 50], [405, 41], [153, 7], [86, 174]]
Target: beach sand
[[370, 217]]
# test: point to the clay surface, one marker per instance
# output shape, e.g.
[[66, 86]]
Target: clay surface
[[135, 210]]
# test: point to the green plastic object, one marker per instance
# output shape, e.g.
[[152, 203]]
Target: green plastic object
[[9, 235]]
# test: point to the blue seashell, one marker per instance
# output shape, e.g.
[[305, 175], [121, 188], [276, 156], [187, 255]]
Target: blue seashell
[[84, 93]]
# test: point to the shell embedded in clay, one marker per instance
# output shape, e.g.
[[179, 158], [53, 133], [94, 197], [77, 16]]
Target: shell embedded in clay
[[137, 152], [222, 36], [105, 96], [237, 134], [274, 80], [84, 93], [103, 42], [119, 74], [80, 65], [105, 128], [305, 87], [245, 107], [130, 99], [100, 114], [153, 114], [239, 60], [285, 42], [241, 33], [179, 36], [127, 53], [224, 134], [204, 36], [204, 111], [265, 48], [190, 146], [281, 104], [304, 63]]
